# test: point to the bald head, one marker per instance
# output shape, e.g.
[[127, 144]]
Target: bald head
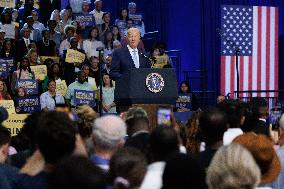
[[133, 37]]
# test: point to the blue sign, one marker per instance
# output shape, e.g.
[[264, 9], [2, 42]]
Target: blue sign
[[10, 64], [85, 19], [82, 97], [28, 104], [30, 85], [4, 69], [184, 101]]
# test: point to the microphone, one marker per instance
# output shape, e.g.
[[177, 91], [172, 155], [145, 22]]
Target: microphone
[[145, 56]]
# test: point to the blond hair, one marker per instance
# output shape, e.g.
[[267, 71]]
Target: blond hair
[[233, 167]]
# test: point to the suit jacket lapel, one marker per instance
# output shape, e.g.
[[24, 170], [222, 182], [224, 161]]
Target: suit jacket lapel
[[130, 58]]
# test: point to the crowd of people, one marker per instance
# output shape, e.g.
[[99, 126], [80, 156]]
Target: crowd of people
[[230, 146]]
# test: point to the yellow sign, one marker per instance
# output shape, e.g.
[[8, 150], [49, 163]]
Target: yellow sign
[[7, 3], [8, 105], [61, 87], [40, 71], [73, 56], [15, 123], [54, 58], [161, 61]]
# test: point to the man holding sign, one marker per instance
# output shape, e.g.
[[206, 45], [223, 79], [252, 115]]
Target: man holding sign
[[73, 58], [81, 84]]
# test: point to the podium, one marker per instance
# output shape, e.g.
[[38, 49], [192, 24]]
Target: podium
[[148, 88]]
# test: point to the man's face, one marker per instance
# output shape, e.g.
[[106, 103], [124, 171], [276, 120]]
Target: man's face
[[74, 42], [133, 38], [30, 22], [85, 7], [51, 25], [35, 16], [81, 77], [129, 24], [46, 35], [132, 9], [99, 5], [27, 33]]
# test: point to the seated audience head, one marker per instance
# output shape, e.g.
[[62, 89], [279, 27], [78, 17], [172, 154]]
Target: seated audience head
[[21, 92], [45, 34], [34, 15], [85, 5], [107, 82], [86, 116], [30, 21], [24, 63], [98, 5], [7, 45], [136, 120], [51, 86], [32, 56], [51, 24], [55, 15], [132, 8], [213, 124], [129, 23], [235, 112], [81, 75], [233, 167], [117, 44], [69, 31], [133, 37], [26, 33], [64, 15], [94, 62], [77, 172], [163, 143], [184, 87], [73, 43], [128, 167], [3, 91], [86, 68], [6, 17], [54, 70], [260, 107], [108, 133], [5, 138], [264, 154], [94, 33], [183, 171], [55, 136], [123, 14]]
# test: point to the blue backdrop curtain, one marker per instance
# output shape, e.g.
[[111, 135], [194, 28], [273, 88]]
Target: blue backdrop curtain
[[191, 25]]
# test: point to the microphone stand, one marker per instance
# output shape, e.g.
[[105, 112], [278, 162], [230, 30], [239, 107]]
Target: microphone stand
[[237, 53], [100, 49]]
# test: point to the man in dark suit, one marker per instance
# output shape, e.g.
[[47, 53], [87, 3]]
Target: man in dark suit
[[35, 33], [128, 57], [23, 43], [46, 7]]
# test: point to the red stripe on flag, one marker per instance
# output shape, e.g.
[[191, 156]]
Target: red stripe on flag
[[268, 50], [250, 74], [241, 72], [276, 51], [223, 72], [259, 24], [232, 81]]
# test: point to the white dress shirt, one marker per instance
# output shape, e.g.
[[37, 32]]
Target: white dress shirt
[[46, 101], [135, 56], [231, 134], [90, 47]]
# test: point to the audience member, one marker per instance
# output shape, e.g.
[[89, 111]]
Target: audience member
[[106, 26], [264, 154], [128, 167], [36, 24], [235, 114], [94, 69], [91, 44], [183, 171], [33, 57], [90, 80], [34, 32], [69, 31], [64, 21], [77, 172], [46, 8], [139, 23], [121, 20], [233, 167], [97, 12], [163, 145], [279, 182], [56, 140], [54, 35], [80, 84], [8, 49], [108, 103], [50, 98], [11, 31], [54, 73], [8, 174], [4, 95], [138, 129], [108, 136], [46, 47], [26, 10], [213, 124], [23, 44]]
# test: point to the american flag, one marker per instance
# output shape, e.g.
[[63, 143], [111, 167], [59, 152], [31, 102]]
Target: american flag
[[254, 31]]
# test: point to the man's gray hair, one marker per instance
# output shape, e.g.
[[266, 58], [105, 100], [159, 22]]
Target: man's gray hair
[[109, 132], [133, 29], [131, 4]]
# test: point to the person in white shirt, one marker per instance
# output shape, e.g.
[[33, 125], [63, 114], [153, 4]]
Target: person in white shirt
[[76, 5], [97, 12], [50, 98], [90, 45], [37, 25]]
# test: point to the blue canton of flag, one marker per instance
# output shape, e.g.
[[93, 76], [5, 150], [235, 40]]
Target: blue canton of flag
[[237, 30]]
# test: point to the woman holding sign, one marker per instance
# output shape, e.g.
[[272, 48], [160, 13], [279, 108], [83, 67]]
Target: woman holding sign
[[23, 72], [50, 98]]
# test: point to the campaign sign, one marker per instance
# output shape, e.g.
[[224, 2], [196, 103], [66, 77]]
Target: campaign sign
[[15, 123], [4, 70], [73, 56], [10, 64], [137, 18], [30, 85], [28, 104], [183, 101], [82, 97], [85, 20], [7, 3]]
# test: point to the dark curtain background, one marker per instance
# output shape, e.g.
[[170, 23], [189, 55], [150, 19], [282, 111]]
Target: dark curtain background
[[190, 25]]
